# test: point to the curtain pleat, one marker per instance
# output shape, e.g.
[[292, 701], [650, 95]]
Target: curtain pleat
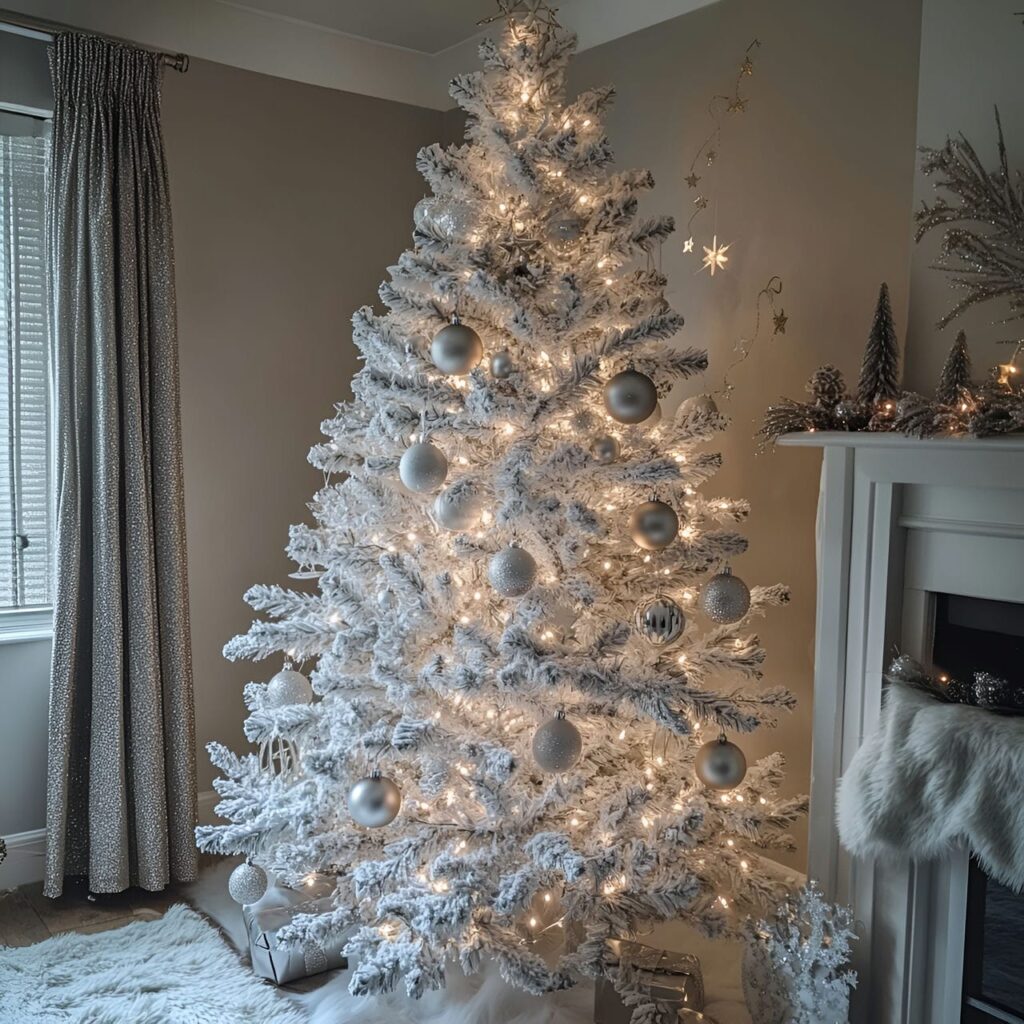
[[121, 786]]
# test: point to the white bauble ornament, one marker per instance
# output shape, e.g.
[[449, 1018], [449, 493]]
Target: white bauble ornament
[[563, 234], [630, 397], [720, 764], [247, 883], [288, 687], [501, 365], [456, 349], [605, 448], [725, 598], [423, 467], [557, 744], [374, 801], [458, 508], [660, 621], [653, 525], [512, 572], [696, 405]]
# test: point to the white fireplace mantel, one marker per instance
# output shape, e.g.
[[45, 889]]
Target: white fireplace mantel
[[900, 520]]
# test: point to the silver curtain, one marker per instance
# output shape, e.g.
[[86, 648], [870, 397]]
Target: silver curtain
[[121, 786]]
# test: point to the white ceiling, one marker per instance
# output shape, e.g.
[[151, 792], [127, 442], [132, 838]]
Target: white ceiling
[[427, 26]]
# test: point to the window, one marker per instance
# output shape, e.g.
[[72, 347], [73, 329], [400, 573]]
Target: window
[[26, 474]]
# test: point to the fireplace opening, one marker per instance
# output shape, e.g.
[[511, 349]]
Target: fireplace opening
[[978, 635]]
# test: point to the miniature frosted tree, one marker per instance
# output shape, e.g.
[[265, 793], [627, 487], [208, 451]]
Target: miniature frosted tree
[[880, 370], [955, 380], [525, 643]]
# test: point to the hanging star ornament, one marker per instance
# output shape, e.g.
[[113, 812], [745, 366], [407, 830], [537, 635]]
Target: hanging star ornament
[[779, 322], [692, 179], [747, 67], [711, 157], [714, 257], [737, 105], [701, 202], [688, 244]]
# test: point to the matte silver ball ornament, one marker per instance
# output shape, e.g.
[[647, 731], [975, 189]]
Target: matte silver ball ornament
[[423, 467], [653, 525], [630, 397], [660, 621], [696, 405], [655, 418], [247, 883], [288, 687], [502, 365], [605, 448], [557, 744], [374, 801], [456, 349], [458, 508], [512, 572], [725, 598], [720, 764]]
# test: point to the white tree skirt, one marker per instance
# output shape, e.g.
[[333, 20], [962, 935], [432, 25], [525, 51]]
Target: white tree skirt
[[484, 998]]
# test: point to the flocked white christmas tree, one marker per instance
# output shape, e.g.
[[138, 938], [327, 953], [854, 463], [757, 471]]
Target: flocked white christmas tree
[[525, 646]]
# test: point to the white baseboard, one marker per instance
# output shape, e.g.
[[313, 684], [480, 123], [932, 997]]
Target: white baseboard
[[26, 850]]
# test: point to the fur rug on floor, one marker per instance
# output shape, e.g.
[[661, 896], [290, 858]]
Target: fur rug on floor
[[176, 970], [935, 774]]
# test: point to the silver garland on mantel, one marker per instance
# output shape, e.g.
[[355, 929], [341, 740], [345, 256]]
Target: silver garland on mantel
[[984, 690]]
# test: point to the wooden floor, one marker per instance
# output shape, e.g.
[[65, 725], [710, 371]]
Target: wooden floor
[[27, 916]]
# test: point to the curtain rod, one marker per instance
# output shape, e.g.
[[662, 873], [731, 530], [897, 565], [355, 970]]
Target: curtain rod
[[41, 28]]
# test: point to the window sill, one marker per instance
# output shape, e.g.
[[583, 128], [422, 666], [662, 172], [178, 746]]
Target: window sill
[[22, 625]]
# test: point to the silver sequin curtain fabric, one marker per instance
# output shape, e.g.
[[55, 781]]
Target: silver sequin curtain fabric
[[121, 786]]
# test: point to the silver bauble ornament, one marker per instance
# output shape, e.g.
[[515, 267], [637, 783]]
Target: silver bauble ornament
[[288, 687], [630, 397], [557, 744], [720, 764], [422, 214], [725, 598], [653, 525], [502, 365], [444, 218], [696, 405], [247, 883], [374, 801], [423, 467], [605, 449], [512, 572], [660, 621], [456, 349], [655, 418], [458, 508], [563, 234]]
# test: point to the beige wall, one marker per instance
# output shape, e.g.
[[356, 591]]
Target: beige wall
[[815, 186], [970, 63], [289, 202]]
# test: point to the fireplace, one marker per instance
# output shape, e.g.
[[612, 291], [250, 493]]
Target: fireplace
[[920, 549]]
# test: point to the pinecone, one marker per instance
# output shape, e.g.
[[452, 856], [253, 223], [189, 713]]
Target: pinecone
[[827, 387]]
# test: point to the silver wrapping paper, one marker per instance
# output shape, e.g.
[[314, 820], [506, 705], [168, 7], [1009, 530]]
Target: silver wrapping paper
[[121, 785], [673, 979]]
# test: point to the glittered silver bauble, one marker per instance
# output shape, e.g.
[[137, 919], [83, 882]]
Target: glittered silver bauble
[[655, 418], [288, 687], [502, 365], [605, 448], [458, 508], [696, 405], [445, 218], [374, 801], [725, 598], [557, 744], [660, 621], [423, 467], [630, 397], [512, 572], [563, 234], [247, 883], [653, 525], [720, 764], [456, 349]]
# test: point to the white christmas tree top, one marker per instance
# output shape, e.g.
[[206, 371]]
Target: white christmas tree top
[[515, 623]]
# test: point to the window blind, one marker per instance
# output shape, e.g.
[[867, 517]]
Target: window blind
[[26, 506]]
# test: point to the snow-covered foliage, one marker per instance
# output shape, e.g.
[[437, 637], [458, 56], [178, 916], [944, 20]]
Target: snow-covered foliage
[[424, 672]]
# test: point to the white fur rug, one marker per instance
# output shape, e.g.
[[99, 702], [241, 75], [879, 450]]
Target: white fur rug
[[932, 775], [176, 970]]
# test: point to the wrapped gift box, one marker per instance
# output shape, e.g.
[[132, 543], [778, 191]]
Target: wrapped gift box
[[282, 963], [673, 980]]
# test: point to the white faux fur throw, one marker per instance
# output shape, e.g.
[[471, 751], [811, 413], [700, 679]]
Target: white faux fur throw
[[177, 970], [933, 774]]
